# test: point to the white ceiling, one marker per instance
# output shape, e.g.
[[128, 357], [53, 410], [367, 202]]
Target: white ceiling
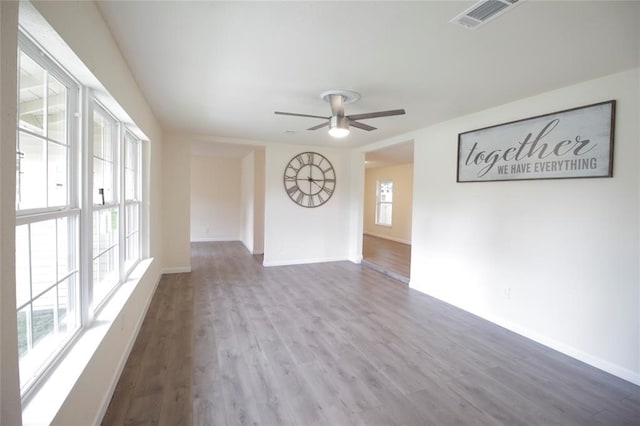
[[222, 68], [220, 149]]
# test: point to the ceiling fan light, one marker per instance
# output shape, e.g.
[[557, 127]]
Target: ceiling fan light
[[338, 127], [338, 132]]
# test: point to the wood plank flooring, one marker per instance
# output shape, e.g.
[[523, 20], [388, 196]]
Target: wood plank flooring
[[234, 343], [388, 255]]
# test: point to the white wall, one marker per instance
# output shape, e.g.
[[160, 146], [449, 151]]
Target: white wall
[[356, 206], [247, 195], [252, 201], [215, 198], [295, 234], [258, 202], [554, 260], [83, 29], [402, 177], [176, 181]]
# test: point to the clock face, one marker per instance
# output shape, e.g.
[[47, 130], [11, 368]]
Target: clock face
[[309, 179]]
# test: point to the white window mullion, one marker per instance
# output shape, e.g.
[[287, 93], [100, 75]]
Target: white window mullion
[[75, 155], [86, 219], [45, 125], [121, 171], [144, 188]]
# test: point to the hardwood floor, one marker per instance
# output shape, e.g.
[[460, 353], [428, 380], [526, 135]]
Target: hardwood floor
[[234, 343], [388, 255]]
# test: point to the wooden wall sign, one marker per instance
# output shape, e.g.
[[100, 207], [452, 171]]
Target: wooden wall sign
[[575, 143]]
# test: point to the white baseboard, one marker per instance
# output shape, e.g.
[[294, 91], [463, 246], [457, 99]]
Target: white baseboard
[[386, 237], [594, 361], [303, 261], [214, 240], [176, 270]]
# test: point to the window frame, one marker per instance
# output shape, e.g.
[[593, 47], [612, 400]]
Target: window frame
[[31, 216], [94, 306], [128, 135], [380, 203], [40, 57]]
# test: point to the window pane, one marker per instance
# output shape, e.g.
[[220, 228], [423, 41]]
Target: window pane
[[132, 247], [133, 218], [24, 330], [98, 182], [384, 214], [40, 335], [130, 182], [67, 315], [23, 283], [105, 253], [102, 180], [43, 256], [109, 195], [102, 137], [32, 78], [105, 276], [132, 150], [97, 296], [57, 174], [98, 150], [51, 317], [67, 243], [129, 154], [105, 230], [57, 111], [107, 137], [31, 185], [42, 325], [386, 191]]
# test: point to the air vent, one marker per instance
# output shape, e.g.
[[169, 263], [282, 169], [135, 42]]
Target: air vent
[[483, 12]]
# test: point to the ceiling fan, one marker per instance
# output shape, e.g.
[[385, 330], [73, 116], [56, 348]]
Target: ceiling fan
[[338, 122]]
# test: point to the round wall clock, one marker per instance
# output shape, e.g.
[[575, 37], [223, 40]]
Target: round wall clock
[[309, 179]]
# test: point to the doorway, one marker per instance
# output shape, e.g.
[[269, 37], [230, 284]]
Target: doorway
[[388, 207]]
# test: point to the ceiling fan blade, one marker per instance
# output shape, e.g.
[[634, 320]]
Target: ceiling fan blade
[[376, 114], [300, 115], [319, 126], [337, 105], [361, 126]]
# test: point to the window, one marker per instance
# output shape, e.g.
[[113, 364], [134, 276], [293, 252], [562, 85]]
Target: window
[[132, 154], [47, 213], [384, 202], [106, 210], [59, 288]]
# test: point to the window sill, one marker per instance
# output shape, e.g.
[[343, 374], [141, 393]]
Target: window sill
[[47, 400]]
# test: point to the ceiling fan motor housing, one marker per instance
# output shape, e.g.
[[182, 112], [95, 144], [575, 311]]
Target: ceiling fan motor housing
[[338, 126], [339, 121]]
